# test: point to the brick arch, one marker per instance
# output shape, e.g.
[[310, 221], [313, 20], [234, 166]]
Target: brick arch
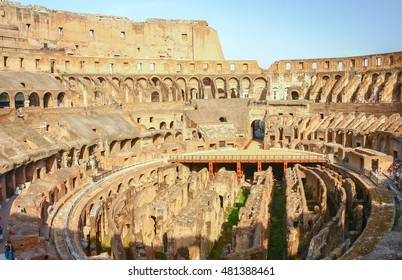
[[34, 100], [4, 100]]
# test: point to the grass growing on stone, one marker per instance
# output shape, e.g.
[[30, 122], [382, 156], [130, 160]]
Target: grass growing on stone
[[232, 218], [276, 243], [105, 244]]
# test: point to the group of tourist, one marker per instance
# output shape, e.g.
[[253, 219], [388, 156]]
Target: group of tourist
[[8, 247], [395, 171]]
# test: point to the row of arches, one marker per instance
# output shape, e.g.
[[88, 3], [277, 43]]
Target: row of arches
[[33, 99]]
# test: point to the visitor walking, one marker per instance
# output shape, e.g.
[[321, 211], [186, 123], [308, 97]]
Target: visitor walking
[[9, 251]]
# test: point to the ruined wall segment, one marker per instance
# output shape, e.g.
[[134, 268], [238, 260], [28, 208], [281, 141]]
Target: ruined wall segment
[[250, 236]]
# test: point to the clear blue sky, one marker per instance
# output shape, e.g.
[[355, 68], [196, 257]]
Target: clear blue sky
[[270, 30]]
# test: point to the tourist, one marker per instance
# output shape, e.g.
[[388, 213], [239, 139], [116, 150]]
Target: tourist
[[9, 250], [20, 209]]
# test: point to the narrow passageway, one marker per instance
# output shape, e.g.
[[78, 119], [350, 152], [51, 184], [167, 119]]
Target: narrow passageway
[[5, 213], [276, 244]]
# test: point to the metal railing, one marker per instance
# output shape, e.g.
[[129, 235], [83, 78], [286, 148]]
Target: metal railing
[[184, 158]]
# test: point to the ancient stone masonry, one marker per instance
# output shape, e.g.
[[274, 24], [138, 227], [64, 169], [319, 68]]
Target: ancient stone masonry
[[317, 208], [250, 236], [93, 108]]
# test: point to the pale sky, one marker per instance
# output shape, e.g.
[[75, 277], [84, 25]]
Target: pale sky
[[270, 30]]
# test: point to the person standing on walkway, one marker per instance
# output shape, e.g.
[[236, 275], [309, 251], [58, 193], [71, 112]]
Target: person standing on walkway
[[9, 251]]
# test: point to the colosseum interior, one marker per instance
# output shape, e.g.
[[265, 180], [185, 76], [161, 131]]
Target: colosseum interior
[[138, 140]]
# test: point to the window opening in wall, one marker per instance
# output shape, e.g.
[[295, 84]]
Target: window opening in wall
[[97, 65], [138, 49], [184, 37], [2, 13], [67, 64], [322, 116], [378, 61], [60, 31], [52, 63], [110, 68], [138, 120], [232, 67], [219, 67], [38, 173], [245, 67], [5, 58], [151, 119], [391, 60], [365, 62], [178, 67], [21, 62], [205, 66], [326, 64], [139, 66], [82, 64], [340, 66], [192, 67], [353, 63], [91, 33], [22, 84], [125, 64], [301, 65], [314, 65], [37, 63], [122, 35], [152, 66], [27, 27], [288, 66], [222, 119]]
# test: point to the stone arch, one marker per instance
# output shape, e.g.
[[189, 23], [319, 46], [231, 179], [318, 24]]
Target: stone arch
[[260, 88], [163, 126], [113, 147], [34, 100], [194, 86], [181, 82], [4, 100], [116, 81], [295, 95], [135, 143], [168, 137], [179, 136], [245, 85], [220, 88], [19, 100], [172, 92], [234, 87], [47, 100], [155, 96], [156, 139], [102, 81], [171, 125], [155, 81], [61, 99]]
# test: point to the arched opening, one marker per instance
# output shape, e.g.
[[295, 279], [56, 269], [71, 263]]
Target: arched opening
[[19, 100], [162, 126], [34, 100], [61, 99], [258, 129], [295, 95], [4, 100], [155, 97], [171, 125], [169, 137], [222, 119], [47, 100]]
